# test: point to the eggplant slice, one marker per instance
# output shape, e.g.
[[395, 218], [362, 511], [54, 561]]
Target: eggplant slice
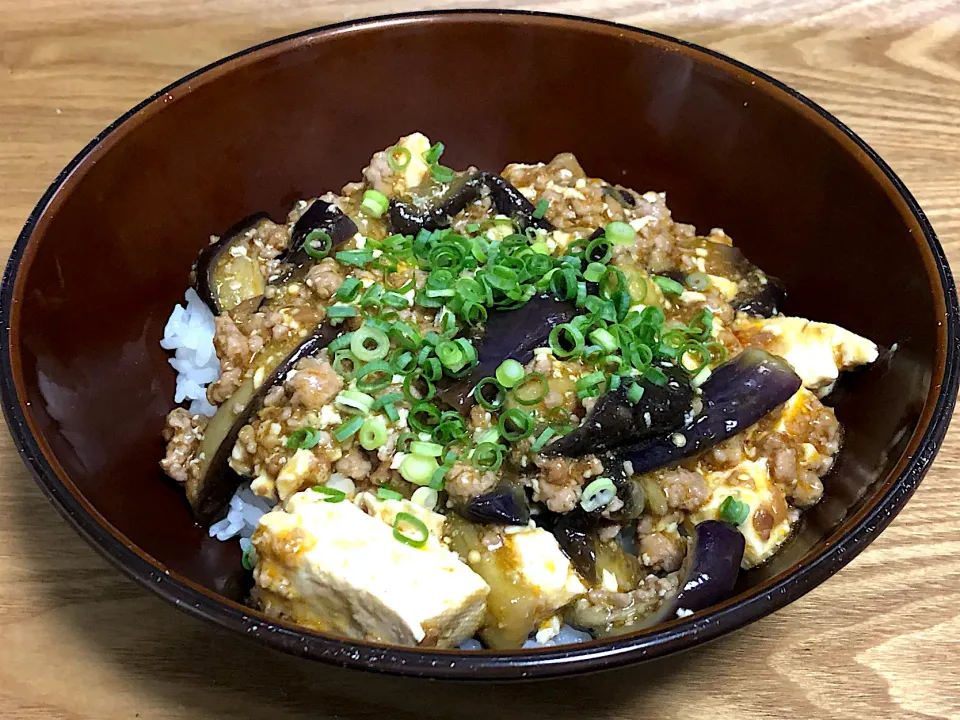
[[614, 421], [408, 219], [218, 481], [738, 394], [506, 505], [324, 216], [709, 571], [224, 280], [765, 302], [512, 334]]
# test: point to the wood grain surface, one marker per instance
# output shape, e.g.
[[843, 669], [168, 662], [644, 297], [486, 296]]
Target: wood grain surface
[[880, 640]]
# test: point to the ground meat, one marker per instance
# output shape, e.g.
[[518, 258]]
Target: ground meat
[[183, 433], [465, 481], [685, 489], [314, 385], [605, 611], [325, 278], [807, 491], [354, 464], [661, 552], [561, 480], [233, 350]]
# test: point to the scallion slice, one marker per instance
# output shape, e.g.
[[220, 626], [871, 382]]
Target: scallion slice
[[541, 209], [333, 495], [515, 424], [733, 510], [388, 494], [317, 244], [418, 533], [668, 286], [374, 202], [620, 233], [398, 157], [348, 429], [598, 494], [373, 433], [418, 469], [303, 439], [369, 343], [509, 373]]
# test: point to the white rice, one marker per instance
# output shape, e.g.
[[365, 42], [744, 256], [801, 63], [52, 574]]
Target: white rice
[[244, 512], [568, 635], [189, 333]]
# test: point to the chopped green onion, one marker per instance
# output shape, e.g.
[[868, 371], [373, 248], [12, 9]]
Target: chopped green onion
[[335, 312], [359, 258], [404, 363], [317, 244], [374, 376], [701, 327], [433, 154], [388, 494], [424, 416], [437, 479], [427, 449], [247, 559], [655, 376], [509, 373], [348, 290], [398, 157], [531, 389], [668, 286], [487, 456], [599, 250], [425, 497], [369, 343], [598, 494], [635, 393], [718, 352], [694, 357], [594, 272], [515, 425], [353, 402], [450, 355], [303, 439], [589, 381], [394, 300], [419, 534], [541, 209], [604, 339], [733, 510], [374, 202], [406, 336], [566, 340], [373, 434], [333, 495], [425, 389], [542, 439], [620, 233], [441, 173], [348, 429], [481, 395], [418, 469], [699, 281]]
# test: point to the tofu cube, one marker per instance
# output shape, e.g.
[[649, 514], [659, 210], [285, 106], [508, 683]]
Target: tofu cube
[[333, 567]]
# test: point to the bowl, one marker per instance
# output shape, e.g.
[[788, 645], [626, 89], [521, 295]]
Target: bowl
[[105, 255]]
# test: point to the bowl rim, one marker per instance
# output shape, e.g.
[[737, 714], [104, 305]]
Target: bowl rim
[[669, 638]]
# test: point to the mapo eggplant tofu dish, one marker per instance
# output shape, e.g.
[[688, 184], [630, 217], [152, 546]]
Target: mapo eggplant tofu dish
[[454, 408]]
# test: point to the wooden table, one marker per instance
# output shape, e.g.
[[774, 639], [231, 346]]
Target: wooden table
[[882, 639]]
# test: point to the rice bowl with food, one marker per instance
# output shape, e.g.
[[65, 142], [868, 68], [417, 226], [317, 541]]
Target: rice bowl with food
[[465, 409]]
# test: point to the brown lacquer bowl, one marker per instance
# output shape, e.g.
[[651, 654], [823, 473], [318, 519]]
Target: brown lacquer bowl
[[105, 255]]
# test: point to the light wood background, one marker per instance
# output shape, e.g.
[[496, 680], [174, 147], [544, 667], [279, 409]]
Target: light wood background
[[880, 640]]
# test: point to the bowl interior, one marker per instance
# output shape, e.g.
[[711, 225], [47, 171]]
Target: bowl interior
[[111, 254]]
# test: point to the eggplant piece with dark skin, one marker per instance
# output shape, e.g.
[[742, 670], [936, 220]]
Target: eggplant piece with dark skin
[[738, 394], [408, 219], [507, 334], [766, 302], [709, 571], [576, 533], [218, 481], [614, 421], [223, 280], [324, 216], [506, 505]]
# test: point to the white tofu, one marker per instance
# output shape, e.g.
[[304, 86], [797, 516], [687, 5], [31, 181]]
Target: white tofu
[[333, 567], [542, 567], [817, 351], [416, 170], [749, 482]]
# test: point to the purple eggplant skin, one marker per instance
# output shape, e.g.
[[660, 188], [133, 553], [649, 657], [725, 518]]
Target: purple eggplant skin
[[510, 202], [506, 505], [321, 215], [709, 574], [507, 334], [614, 421], [738, 394], [220, 481], [407, 219], [205, 284], [766, 302], [575, 533]]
